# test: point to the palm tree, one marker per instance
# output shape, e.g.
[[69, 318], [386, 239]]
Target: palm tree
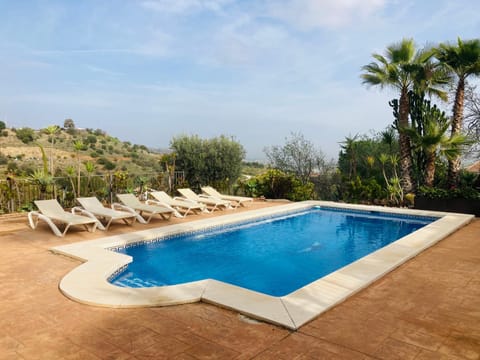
[[463, 60], [70, 170], [350, 148], [51, 130], [433, 141], [90, 168], [78, 146], [404, 68]]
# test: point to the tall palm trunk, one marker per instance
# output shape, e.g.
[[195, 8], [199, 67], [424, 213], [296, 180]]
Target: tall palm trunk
[[454, 163], [430, 168], [405, 145]]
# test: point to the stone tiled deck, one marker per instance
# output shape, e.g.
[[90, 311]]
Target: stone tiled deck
[[429, 308]]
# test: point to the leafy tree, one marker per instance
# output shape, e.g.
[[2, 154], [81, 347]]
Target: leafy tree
[[214, 161], [404, 68], [462, 60], [26, 135], [3, 126], [298, 156], [68, 124], [223, 157]]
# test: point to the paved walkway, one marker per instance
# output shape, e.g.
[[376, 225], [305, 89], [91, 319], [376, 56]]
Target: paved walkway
[[429, 308]]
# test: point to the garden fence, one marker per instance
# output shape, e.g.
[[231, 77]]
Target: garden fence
[[18, 194]]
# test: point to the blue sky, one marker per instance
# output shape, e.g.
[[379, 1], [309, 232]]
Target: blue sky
[[148, 70]]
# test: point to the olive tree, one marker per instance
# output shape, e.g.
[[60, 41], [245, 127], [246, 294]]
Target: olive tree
[[216, 161], [298, 156]]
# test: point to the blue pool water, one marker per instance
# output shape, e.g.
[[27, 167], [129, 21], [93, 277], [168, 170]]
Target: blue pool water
[[275, 256]]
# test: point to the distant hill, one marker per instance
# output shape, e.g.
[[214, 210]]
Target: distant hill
[[20, 153]]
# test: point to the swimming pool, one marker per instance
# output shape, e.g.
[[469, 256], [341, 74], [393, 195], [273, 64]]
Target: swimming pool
[[89, 282], [275, 256]]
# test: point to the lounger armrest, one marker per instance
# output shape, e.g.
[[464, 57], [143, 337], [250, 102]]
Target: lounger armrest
[[34, 216], [118, 206], [78, 210]]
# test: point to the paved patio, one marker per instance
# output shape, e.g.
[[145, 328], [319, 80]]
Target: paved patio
[[429, 308]]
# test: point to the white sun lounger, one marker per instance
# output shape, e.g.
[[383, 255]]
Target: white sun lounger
[[209, 201], [94, 206], [237, 200], [178, 204], [131, 204], [51, 211]]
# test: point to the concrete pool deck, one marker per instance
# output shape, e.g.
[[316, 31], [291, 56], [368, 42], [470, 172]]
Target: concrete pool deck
[[88, 283], [425, 309]]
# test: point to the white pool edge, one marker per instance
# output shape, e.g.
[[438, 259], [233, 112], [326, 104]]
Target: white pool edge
[[88, 283]]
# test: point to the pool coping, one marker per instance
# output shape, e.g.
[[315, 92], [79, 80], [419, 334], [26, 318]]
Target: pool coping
[[88, 283]]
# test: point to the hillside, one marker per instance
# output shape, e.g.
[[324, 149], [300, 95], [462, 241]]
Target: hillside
[[20, 153]]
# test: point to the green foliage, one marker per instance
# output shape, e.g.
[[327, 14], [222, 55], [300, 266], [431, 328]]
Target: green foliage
[[275, 184], [328, 184], [439, 193], [359, 190], [12, 167], [90, 139], [3, 159], [26, 135], [359, 155], [107, 164], [208, 161], [3, 126]]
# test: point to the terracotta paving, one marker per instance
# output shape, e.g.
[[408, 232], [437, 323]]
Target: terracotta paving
[[429, 308]]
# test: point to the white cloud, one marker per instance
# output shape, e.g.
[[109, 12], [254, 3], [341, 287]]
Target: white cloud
[[158, 45], [310, 14], [100, 70], [183, 6]]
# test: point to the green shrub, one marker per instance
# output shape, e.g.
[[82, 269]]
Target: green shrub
[[438, 193], [359, 190], [275, 184], [26, 135]]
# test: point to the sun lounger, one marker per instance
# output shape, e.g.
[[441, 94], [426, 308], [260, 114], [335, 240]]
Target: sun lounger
[[237, 200], [51, 211], [179, 205], [131, 204], [94, 206], [210, 202]]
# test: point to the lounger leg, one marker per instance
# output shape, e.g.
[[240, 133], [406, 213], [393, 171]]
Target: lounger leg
[[34, 216]]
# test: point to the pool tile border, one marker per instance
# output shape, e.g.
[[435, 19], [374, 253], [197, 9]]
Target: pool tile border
[[88, 283]]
